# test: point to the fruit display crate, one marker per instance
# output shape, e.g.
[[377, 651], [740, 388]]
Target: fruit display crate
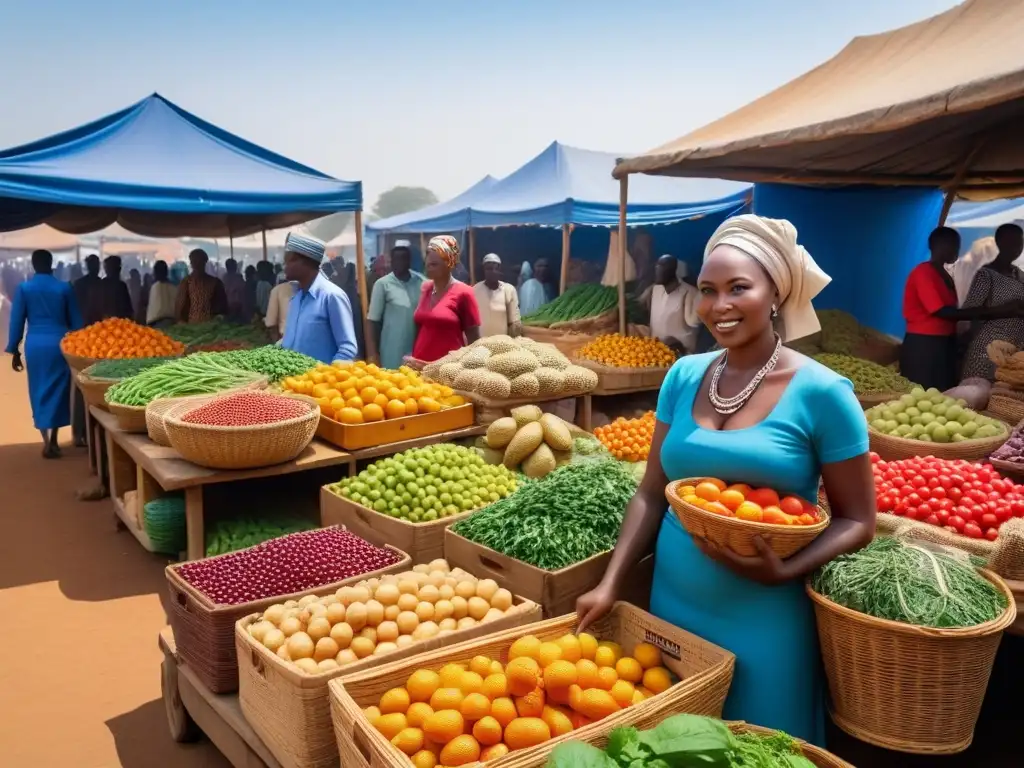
[[612, 380], [423, 542], [290, 710], [370, 435], [703, 669]]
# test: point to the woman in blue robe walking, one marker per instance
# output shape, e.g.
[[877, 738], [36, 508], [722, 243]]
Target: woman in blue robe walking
[[49, 307]]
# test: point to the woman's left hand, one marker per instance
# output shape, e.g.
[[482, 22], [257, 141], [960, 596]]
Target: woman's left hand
[[766, 567]]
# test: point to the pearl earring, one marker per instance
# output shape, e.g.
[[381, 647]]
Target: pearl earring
[[775, 312]]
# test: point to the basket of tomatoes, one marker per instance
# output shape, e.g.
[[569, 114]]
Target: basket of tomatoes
[[732, 515]]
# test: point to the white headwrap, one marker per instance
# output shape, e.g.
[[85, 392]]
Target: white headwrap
[[772, 244]]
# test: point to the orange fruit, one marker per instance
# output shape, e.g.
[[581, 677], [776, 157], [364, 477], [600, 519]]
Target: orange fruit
[[495, 686], [524, 732], [579, 721], [523, 674], [606, 655], [450, 674], [657, 679], [548, 653], [622, 692], [718, 508], [720, 485], [575, 694], [418, 713], [560, 674], [337, 404], [748, 510], [409, 740], [460, 750], [648, 655], [382, 401], [558, 720], [372, 412], [446, 698], [586, 673], [354, 402], [444, 726], [493, 752], [481, 665], [475, 706], [422, 683], [707, 491], [528, 646], [471, 682], [391, 725], [764, 497], [629, 669], [606, 677], [411, 407], [368, 394], [775, 516], [791, 505], [588, 645], [806, 519], [487, 731], [532, 704], [429, 405], [597, 704], [371, 714], [731, 499], [395, 700], [504, 710], [424, 759], [571, 648]]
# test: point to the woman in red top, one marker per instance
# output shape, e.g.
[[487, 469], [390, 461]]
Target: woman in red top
[[447, 316]]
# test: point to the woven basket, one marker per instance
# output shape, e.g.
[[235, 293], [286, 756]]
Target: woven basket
[[130, 418], [1009, 409], [77, 363], [165, 406], [903, 687], [892, 448], [94, 390], [870, 400], [205, 631], [1009, 469], [705, 672], [262, 445], [738, 535]]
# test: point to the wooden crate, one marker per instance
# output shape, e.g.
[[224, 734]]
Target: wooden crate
[[355, 436], [422, 541], [612, 380], [704, 671], [290, 711]]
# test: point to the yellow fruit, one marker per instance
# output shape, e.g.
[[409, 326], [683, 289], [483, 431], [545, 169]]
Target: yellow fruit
[[504, 711], [446, 698], [629, 669], [532, 704], [559, 674], [523, 674], [372, 412], [548, 653], [648, 655], [605, 656], [487, 731], [638, 696], [391, 725], [460, 751], [451, 675], [596, 704], [588, 645], [418, 713], [394, 409], [558, 721], [409, 740], [471, 682], [494, 752], [371, 713], [575, 696], [424, 759], [368, 394], [444, 726], [623, 692], [422, 683], [497, 668], [411, 407], [395, 700], [355, 402], [345, 414], [475, 706], [528, 646], [429, 405], [481, 665], [571, 648], [524, 732], [586, 673], [657, 680], [495, 686], [606, 678]]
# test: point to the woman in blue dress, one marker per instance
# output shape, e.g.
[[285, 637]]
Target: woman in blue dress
[[49, 307], [762, 414]]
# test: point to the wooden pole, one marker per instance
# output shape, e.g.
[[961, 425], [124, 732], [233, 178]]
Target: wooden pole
[[623, 199], [472, 256], [264, 243], [423, 249], [958, 180], [566, 245], [361, 282]]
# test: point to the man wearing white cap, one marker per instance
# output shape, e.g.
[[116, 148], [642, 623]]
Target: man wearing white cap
[[393, 303], [319, 314], [498, 301]]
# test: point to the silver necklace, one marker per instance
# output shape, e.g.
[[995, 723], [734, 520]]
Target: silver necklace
[[729, 405]]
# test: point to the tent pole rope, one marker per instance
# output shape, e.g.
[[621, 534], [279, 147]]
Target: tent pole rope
[[361, 274], [264, 243], [958, 180], [566, 233], [472, 256], [623, 199]]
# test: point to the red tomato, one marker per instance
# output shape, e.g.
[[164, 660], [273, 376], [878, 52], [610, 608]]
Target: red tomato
[[943, 515], [923, 510], [991, 534], [988, 520], [957, 523], [791, 505], [955, 493], [932, 520], [972, 531], [938, 492]]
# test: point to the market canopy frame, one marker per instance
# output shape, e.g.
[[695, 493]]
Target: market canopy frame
[[939, 103]]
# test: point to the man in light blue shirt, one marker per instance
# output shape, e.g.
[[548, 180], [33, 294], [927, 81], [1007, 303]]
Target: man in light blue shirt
[[392, 306], [319, 315]]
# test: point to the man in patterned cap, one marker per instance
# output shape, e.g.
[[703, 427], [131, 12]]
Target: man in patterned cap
[[319, 315]]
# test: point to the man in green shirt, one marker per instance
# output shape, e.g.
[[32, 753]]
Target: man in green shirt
[[392, 305]]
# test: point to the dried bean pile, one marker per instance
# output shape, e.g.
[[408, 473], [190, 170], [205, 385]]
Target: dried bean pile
[[246, 409], [282, 566]]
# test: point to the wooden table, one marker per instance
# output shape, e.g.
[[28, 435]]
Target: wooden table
[[191, 708], [138, 464]]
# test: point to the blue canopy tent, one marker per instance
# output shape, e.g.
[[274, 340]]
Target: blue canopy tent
[[447, 216]]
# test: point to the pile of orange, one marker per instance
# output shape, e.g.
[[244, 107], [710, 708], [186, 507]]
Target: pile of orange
[[358, 392], [620, 351], [628, 439], [464, 713], [117, 338], [758, 505]]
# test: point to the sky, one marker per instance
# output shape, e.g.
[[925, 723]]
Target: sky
[[433, 94]]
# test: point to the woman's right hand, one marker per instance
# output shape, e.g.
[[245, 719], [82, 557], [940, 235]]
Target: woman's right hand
[[595, 604], [16, 363]]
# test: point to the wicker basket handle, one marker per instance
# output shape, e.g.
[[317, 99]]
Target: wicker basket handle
[[257, 664], [183, 600], [360, 743]]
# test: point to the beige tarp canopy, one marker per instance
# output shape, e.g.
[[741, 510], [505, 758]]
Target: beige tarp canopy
[[938, 103]]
